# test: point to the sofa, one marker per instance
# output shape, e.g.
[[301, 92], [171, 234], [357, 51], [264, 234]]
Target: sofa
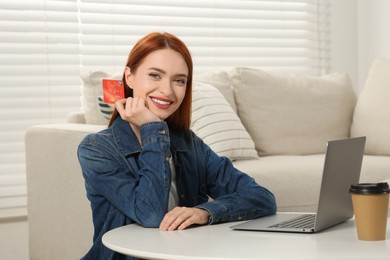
[[273, 126]]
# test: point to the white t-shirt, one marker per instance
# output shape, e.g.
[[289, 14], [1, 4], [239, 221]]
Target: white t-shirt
[[173, 197]]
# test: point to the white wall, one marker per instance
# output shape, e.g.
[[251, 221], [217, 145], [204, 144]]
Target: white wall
[[373, 34], [343, 28], [359, 34]]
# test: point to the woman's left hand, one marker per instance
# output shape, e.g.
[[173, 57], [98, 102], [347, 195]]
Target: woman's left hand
[[183, 217]]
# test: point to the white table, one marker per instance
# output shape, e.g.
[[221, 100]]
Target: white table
[[220, 242]]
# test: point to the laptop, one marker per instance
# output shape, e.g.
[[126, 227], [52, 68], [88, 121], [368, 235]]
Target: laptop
[[343, 161]]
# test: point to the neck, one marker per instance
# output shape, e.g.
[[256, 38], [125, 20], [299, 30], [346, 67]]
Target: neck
[[136, 132]]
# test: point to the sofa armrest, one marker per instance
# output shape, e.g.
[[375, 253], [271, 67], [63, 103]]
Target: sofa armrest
[[76, 118], [59, 215]]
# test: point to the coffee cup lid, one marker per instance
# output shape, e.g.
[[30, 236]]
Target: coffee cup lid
[[370, 188]]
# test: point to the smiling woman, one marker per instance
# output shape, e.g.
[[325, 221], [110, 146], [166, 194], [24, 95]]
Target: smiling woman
[[148, 167]]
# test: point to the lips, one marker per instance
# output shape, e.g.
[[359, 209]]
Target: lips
[[161, 102]]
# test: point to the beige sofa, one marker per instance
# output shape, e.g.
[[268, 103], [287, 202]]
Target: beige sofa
[[273, 126]]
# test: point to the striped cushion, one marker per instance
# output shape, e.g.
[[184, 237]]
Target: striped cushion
[[216, 123], [96, 111]]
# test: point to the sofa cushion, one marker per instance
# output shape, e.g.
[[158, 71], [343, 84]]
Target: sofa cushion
[[214, 120], [96, 111], [287, 114], [220, 80], [295, 180], [372, 117]]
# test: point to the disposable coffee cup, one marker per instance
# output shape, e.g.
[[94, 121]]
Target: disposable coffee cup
[[370, 204]]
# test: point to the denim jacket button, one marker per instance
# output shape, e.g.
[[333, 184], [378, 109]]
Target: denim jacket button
[[162, 132]]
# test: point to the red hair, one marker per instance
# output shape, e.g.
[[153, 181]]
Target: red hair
[[181, 118]]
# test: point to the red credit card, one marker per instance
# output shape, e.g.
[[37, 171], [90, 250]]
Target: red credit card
[[113, 90]]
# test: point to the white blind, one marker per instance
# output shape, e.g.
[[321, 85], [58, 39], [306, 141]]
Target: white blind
[[46, 44], [39, 82], [290, 36]]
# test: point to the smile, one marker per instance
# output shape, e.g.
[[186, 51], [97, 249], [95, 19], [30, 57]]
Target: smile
[[161, 103]]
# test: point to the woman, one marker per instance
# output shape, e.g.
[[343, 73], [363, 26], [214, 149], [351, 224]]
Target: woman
[[148, 167]]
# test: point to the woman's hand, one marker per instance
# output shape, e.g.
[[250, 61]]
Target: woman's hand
[[182, 217], [135, 111]]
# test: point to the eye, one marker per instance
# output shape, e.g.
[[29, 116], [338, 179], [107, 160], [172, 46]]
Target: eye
[[154, 75], [181, 82]]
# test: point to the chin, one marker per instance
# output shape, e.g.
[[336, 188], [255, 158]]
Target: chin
[[162, 116]]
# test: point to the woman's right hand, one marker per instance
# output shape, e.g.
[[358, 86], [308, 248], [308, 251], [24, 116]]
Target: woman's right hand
[[135, 111], [182, 217]]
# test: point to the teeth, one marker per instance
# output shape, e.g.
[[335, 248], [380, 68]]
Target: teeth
[[160, 101]]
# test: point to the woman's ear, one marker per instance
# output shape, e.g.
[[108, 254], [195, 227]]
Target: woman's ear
[[128, 77]]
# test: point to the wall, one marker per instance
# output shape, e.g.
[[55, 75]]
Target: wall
[[359, 34], [373, 34], [343, 27]]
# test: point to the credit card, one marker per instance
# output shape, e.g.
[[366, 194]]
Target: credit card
[[113, 90]]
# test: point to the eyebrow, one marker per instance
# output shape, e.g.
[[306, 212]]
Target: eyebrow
[[163, 72]]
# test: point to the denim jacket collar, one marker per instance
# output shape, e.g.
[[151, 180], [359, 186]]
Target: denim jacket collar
[[127, 142], [124, 137]]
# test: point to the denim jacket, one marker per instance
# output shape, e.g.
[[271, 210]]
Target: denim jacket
[[127, 183]]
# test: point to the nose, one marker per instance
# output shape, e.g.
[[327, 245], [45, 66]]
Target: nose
[[166, 87]]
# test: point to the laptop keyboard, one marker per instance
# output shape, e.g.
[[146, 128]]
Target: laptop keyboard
[[303, 221]]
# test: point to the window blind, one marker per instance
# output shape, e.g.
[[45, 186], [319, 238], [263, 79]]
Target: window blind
[[39, 80], [289, 36], [46, 44]]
